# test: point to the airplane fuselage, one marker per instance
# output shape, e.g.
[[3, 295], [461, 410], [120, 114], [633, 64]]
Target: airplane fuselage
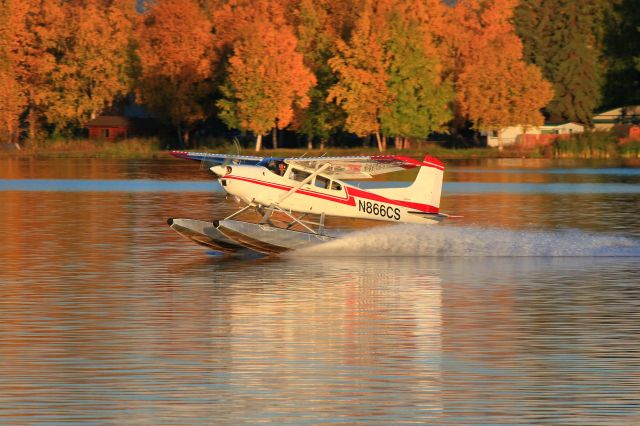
[[258, 185]]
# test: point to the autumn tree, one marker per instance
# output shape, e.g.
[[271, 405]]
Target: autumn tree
[[361, 89], [31, 55], [90, 49], [177, 59], [317, 33], [419, 99], [13, 97], [342, 15], [266, 78], [510, 95], [494, 87], [71, 60], [389, 76]]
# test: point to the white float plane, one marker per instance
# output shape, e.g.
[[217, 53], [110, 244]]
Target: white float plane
[[304, 188]]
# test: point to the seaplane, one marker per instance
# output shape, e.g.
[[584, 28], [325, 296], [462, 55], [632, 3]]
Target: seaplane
[[290, 198]]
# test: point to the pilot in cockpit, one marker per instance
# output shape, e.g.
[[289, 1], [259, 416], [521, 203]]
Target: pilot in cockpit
[[282, 167]]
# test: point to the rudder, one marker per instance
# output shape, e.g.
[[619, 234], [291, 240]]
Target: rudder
[[427, 188]]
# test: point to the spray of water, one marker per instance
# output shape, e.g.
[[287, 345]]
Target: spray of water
[[418, 240]]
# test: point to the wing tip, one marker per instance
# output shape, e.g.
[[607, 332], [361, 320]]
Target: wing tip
[[430, 159], [180, 154]]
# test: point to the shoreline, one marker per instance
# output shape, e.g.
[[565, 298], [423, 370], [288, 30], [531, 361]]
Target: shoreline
[[148, 150], [444, 153]]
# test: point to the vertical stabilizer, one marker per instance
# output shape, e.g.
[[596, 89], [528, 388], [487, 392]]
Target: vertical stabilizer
[[427, 187]]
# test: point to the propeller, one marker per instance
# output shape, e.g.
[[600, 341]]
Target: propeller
[[209, 165]]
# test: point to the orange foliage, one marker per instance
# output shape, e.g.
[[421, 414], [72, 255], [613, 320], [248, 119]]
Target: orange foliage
[[34, 31], [177, 57], [237, 19], [70, 58], [267, 76], [12, 28], [360, 65], [495, 87], [176, 39], [66, 60], [342, 15], [92, 58], [364, 64], [12, 105]]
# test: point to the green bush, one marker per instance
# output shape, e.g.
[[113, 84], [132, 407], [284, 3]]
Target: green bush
[[589, 144], [135, 147], [630, 149]]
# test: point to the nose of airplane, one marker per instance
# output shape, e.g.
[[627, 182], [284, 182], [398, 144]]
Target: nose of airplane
[[219, 170]]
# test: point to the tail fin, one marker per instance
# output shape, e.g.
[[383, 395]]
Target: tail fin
[[427, 188]]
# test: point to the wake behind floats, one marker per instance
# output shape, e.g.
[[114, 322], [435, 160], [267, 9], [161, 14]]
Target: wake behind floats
[[292, 197]]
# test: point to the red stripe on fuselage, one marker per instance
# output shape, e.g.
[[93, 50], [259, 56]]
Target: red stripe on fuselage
[[356, 192], [349, 200]]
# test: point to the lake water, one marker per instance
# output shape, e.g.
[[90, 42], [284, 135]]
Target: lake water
[[524, 311]]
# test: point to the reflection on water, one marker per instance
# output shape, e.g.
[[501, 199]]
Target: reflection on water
[[387, 340], [110, 317]]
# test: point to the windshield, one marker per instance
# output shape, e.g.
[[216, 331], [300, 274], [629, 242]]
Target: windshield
[[276, 166]]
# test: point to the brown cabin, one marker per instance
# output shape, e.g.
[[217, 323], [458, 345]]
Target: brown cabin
[[110, 127], [626, 132]]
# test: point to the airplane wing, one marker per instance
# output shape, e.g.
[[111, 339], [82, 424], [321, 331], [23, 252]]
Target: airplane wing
[[361, 167], [217, 159]]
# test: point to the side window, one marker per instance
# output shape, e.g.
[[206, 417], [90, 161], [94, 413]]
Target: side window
[[273, 167], [336, 186], [298, 175], [322, 182]]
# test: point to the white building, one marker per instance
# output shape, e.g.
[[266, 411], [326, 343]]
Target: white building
[[623, 115], [510, 134]]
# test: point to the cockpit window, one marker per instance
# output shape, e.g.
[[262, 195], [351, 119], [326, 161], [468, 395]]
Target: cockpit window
[[272, 166], [322, 182], [277, 167], [298, 175], [282, 168]]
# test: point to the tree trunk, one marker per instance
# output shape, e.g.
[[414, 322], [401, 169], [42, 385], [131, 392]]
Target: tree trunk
[[274, 137], [258, 143], [500, 140], [309, 143], [397, 142], [180, 140], [186, 138], [380, 148], [323, 143], [32, 120], [384, 142]]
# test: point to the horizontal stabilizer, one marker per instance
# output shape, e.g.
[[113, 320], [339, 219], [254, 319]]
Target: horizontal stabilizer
[[440, 216]]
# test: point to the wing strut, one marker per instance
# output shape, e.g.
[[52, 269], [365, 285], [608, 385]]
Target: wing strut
[[305, 181], [242, 210]]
